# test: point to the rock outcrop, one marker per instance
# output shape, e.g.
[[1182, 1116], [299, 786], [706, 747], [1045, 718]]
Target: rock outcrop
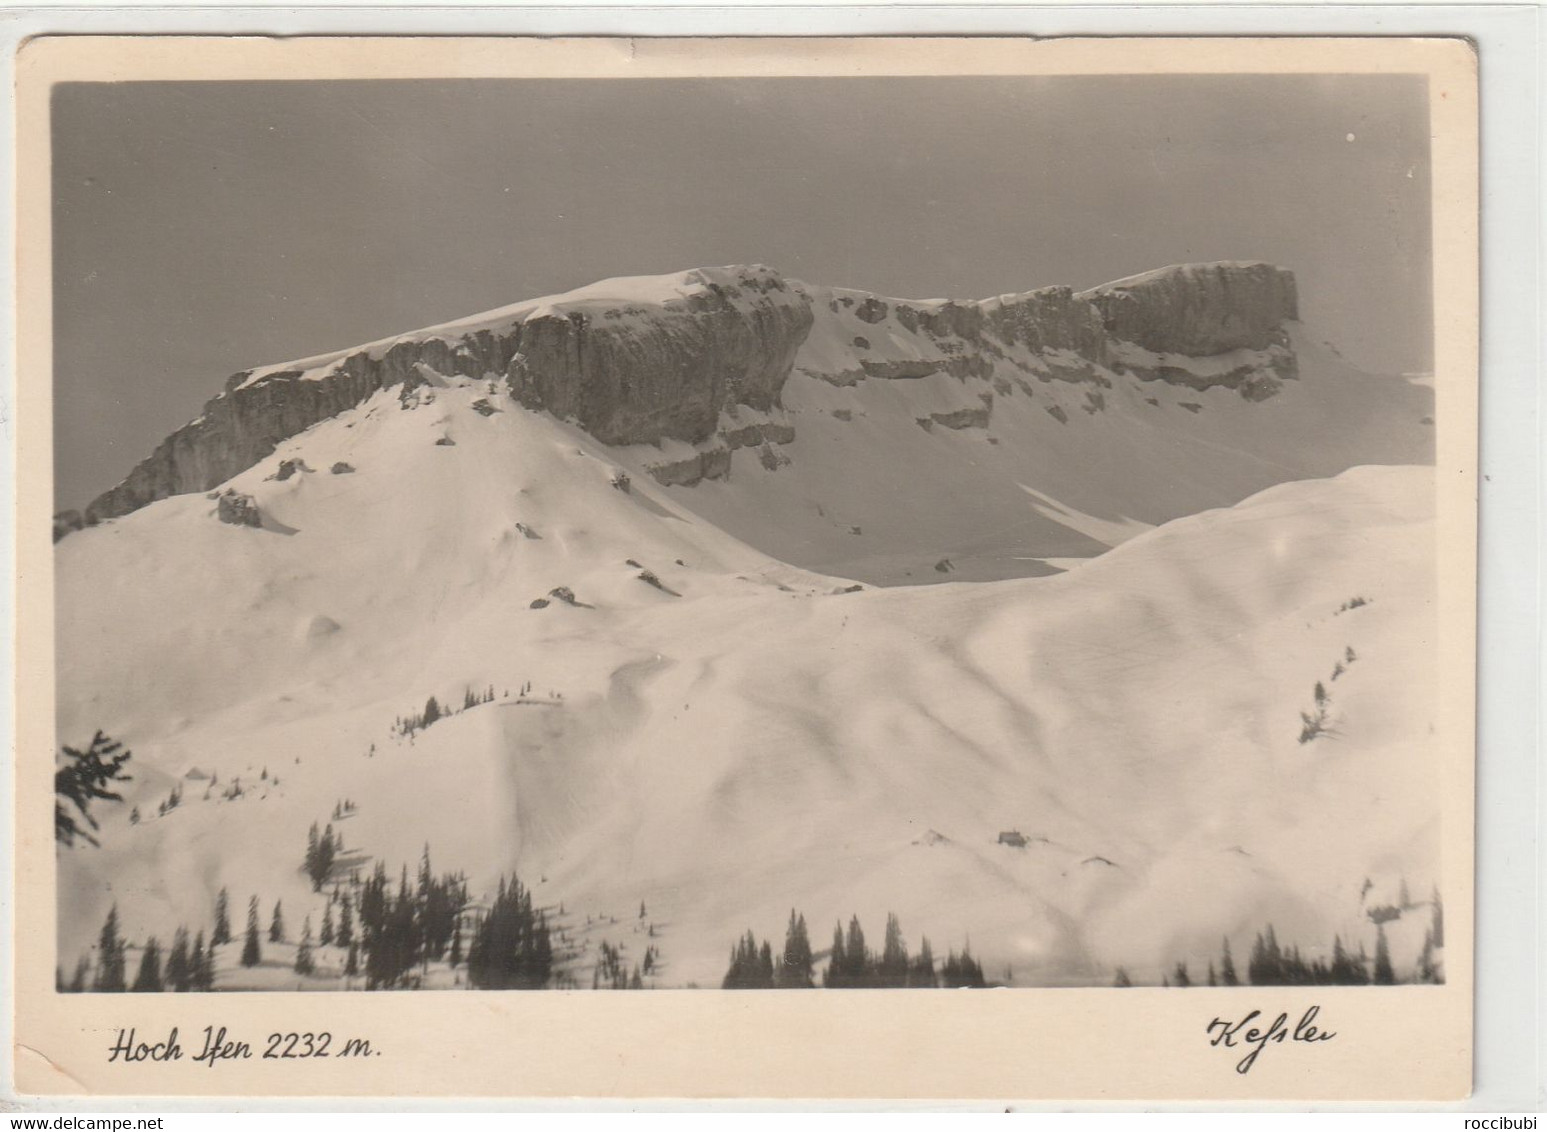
[[637, 369], [238, 510], [1195, 325], [637, 375], [1199, 308]]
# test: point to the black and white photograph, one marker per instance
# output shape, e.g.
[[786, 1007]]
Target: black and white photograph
[[719, 532]]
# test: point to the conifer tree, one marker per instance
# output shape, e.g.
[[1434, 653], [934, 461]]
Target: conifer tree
[[511, 948], [82, 973], [834, 975], [304, 964], [1181, 977], [1121, 979], [326, 936], [751, 966], [1437, 928], [795, 963], [251, 953], [110, 955], [346, 931], [177, 975], [222, 932], [1227, 975], [1266, 965], [277, 925], [961, 970], [352, 962], [1213, 978], [892, 971], [1427, 971], [81, 778], [921, 973], [856, 953], [1384, 976], [765, 966], [148, 979]]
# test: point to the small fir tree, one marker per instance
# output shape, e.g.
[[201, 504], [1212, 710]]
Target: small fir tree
[[1227, 975], [1384, 976], [304, 964], [222, 932], [252, 954]]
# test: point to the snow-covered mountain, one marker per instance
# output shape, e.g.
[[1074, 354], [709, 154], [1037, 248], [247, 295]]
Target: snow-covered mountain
[[650, 515], [877, 438]]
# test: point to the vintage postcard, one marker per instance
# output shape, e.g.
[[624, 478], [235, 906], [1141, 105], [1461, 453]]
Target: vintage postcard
[[908, 568]]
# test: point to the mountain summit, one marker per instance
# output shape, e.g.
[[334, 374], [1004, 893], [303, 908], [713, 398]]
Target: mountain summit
[[1090, 414]]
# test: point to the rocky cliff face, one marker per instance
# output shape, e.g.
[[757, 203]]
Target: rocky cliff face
[[1199, 309], [1233, 313], [636, 375], [633, 364], [639, 361]]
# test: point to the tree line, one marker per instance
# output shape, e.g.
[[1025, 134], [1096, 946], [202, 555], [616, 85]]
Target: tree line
[[1271, 963], [851, 961]]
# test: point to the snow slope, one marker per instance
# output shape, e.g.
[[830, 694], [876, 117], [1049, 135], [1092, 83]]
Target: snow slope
[[1043, 456], [742, 736]]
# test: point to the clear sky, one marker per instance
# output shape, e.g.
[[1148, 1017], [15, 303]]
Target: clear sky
[[204, 228]]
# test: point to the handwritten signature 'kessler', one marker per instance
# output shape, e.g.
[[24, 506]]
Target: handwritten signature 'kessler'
[[1234, 1035]]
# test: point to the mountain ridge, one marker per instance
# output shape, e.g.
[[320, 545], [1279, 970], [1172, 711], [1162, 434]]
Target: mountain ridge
[[660, 358]]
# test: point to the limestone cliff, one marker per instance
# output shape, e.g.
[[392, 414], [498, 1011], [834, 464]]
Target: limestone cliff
[[1199, 308], [631, 361], [648, 360]]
